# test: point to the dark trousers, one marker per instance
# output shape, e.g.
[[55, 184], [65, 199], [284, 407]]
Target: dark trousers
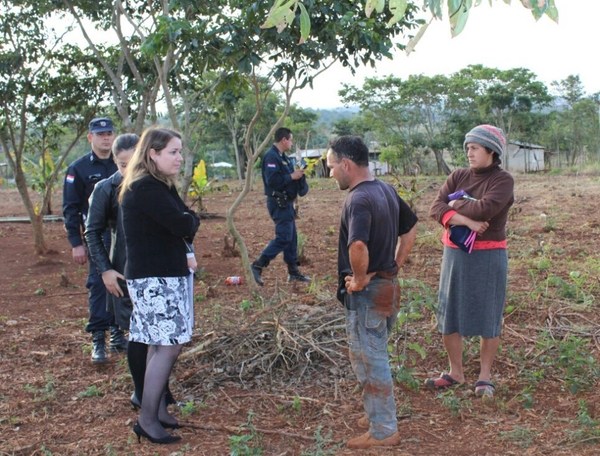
[[286, 236], [100, 317]]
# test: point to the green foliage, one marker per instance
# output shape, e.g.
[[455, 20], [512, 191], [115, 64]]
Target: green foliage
[[519, 435], [588, 428], [199, 185], [246, 305], [323, 444], [246, 444], [411, 192], [301, 241], [41, 173], [296, 404], [455, 404], [418, 297], [44, 393], [45, 451], [91, 391], [569, 359], [526, 397], [189, 408], [283, 13]]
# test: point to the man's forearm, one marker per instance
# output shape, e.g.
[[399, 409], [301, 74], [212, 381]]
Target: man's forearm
[[405, 245], [359, 259]]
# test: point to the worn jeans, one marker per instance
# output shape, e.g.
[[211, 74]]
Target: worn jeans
[[370, 316]]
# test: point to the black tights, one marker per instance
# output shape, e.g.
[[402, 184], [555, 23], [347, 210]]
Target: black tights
[[136, 358], [137, 354], [161, 359]]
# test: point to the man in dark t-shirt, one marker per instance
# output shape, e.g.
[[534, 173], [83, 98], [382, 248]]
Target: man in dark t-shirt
[[377, 232]]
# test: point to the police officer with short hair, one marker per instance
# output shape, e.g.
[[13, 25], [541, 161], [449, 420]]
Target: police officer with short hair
[[82, 175], [283, 184]]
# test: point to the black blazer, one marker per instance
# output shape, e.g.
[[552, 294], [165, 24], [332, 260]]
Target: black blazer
[[157, 224]]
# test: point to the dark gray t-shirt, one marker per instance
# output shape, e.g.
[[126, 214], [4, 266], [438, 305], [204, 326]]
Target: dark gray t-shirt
[[374, 214]]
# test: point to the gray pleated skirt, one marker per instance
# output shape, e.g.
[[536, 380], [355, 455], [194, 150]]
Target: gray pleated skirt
[[472, 292]]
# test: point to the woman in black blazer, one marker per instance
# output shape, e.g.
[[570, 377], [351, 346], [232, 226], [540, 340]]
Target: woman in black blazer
[[158, 228]]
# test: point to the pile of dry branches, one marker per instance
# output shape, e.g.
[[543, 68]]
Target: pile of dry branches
[[273, 346]]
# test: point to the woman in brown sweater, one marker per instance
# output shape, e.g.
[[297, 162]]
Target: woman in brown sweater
[[473, 278]]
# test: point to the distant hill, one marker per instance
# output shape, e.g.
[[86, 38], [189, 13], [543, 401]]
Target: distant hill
[[328, 117]]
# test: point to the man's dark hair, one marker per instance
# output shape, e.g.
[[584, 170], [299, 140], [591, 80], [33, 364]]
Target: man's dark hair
[[351, 147], [282, 133]]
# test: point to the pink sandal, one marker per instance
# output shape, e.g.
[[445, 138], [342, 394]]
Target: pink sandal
[[444, 381]]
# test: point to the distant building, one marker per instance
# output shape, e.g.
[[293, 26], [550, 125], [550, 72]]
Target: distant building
[[320, 155], [524, 157]]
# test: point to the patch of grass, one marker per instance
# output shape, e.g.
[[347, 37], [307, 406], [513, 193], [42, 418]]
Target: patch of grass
[[570, 359], [405, 407], [109, 450], [588, 428], [45, 451], [246, 444], [429, 239], [44, 393], [519, 435], [321, 288], [457, 405], [417, 297], [526, 398], [297, 404], [91, 391], [246, 305], [301, 244], [190, 408], [324, 445]]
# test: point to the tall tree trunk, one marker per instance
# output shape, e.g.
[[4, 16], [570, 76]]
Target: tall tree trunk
[[37, 221], [442, 166], [252, 154]]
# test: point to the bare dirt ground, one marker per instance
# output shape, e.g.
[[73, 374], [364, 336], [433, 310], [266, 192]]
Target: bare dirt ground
[[270, 374]]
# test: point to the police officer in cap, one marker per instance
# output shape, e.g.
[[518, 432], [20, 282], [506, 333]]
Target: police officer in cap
[[283, 184], [82, 175]]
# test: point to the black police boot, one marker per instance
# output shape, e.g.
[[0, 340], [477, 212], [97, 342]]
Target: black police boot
[[118, 341], [98, 348], [257, 268], [294, 275]]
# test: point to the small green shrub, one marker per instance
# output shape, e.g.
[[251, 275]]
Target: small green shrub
[[90, 391]]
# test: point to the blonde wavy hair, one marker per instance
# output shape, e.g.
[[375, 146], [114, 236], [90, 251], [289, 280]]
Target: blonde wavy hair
[[142, 165]]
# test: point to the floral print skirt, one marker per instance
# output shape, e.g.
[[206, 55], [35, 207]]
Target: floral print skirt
[[162, 310]]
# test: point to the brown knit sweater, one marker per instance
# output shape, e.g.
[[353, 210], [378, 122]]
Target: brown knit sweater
[[492, 187]]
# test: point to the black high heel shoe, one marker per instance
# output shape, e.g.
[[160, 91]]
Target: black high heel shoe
[[162, 440]]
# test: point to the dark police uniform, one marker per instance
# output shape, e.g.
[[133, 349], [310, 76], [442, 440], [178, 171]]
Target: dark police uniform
[[82, 175], [276, 170]]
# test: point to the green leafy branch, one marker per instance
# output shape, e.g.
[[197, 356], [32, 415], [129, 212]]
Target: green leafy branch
[[284, 12]]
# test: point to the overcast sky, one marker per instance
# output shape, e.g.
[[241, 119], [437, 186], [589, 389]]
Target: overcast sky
[[502, 36]]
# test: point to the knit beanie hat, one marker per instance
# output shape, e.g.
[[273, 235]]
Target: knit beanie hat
[[488, 136]]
